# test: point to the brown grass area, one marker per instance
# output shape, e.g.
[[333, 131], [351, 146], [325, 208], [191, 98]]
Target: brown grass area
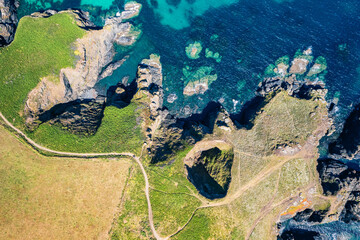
[[56, 198]]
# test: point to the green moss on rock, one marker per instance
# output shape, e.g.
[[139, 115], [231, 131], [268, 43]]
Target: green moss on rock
[[193, 50]]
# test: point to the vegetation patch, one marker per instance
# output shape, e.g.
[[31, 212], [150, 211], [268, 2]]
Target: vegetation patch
[[198, 228], [56, 198], [42, 47], [133, 221], [171, 210], [118, 132]]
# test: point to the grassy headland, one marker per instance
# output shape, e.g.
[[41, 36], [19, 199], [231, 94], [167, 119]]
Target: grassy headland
[[42, 46]]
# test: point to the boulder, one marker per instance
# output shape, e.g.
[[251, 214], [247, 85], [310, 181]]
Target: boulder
[[8, 21]]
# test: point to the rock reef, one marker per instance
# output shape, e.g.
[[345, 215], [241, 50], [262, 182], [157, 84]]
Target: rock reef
[[300, 80]]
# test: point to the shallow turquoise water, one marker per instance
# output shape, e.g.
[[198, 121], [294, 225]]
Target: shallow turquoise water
[[251, 35], [105, 4], [178, 13]]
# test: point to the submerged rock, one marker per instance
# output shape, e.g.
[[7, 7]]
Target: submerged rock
[[210, 54], [193, 50], [295, 78], [199, 80], [8, 21]]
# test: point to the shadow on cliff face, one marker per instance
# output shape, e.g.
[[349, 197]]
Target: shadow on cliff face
[[204, 183], [210, 171], [178, 131], [349, 139], [204, 121], [245, 118], [120, 95], [83, 117]]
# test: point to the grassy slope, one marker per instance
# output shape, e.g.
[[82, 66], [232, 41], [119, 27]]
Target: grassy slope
[[254, 152], [119, 132], [42, 46], [171, 199], [284, 120], [56, 198]]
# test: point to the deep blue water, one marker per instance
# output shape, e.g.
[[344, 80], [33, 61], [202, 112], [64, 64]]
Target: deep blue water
[[252, 34], [328, 231]]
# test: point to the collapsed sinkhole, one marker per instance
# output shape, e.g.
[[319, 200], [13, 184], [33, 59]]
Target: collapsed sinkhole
[[208, 168]]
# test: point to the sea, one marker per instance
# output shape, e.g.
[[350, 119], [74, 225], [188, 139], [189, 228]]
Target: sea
[[248, 35]]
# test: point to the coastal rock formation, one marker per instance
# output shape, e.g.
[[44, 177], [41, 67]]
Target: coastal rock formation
[[208, 167], [160, 137], [300, 80], [94, 52], [82, 18], [341, 182], [131, 10], [199, 80], [348, 142], [8, 21]]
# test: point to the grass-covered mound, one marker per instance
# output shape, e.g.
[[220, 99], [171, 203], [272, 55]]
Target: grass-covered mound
[[42, 46], [119, 132]]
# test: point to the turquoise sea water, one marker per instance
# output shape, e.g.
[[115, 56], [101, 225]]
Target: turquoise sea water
[[248, 35]]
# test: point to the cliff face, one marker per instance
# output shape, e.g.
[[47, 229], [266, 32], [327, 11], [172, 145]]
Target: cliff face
[[348, 142], [8, 21], [94, 53], [300, 78], [208, 167]]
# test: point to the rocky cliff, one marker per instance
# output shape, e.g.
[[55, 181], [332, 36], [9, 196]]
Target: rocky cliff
[[208, 167], [300, 78], [8, 21], [94, 53]]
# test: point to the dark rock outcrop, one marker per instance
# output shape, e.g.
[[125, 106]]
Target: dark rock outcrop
[[8, 21], [334, 175], [343, 180], [295, 87], [311, 215], [337, 179], [347, 144]]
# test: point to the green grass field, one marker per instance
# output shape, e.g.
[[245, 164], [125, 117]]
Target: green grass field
[[42, 46], [253, 212], [119, 132]]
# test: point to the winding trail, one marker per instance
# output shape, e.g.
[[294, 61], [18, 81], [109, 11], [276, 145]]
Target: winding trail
[[41, 149]]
